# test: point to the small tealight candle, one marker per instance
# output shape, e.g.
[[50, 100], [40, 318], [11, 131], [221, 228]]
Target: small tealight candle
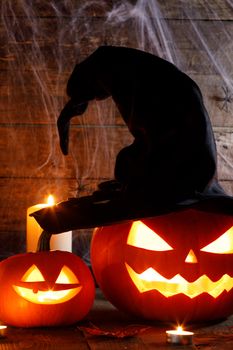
[[179, 336], [3, 330]]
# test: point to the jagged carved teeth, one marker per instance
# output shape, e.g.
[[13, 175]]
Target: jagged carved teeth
[[150, 279]]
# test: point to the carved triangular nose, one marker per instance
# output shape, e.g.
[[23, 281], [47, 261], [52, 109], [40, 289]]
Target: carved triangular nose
[[191, 257]]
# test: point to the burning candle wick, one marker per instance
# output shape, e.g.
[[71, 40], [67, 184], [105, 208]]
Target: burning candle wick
[[179, 336]]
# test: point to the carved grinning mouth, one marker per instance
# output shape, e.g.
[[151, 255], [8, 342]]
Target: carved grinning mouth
[[47, 296], [150, 279]]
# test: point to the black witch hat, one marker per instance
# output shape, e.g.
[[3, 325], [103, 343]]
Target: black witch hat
[[171, 164]]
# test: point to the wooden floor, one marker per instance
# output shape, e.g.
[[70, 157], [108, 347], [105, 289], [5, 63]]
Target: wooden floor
[[106, 317]]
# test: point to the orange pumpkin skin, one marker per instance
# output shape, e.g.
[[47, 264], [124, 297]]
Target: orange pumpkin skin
[[20, 311], [183, 231]]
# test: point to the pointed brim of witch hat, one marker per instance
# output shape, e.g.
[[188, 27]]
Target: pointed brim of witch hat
[[87, 212]]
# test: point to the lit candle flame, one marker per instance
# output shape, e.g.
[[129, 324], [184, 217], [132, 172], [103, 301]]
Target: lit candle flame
[[179, 336], [50, 200], [179, 329]]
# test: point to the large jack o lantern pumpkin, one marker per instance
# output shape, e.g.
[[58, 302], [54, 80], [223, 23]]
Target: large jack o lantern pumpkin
[[174, 267], [45, 288]]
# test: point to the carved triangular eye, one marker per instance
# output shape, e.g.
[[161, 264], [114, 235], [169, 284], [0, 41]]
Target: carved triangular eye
[[33, 274], [141, 236], [222, 245], [66, 276]]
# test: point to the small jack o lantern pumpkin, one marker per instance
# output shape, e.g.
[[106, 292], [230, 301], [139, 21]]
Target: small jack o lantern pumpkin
[[45, 288], [173, 267]]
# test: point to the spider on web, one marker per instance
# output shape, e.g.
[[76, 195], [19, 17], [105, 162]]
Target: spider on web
[[82, 188], [226, 99]]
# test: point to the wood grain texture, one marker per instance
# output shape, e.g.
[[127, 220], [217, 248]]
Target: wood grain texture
[[198, 9], [54, 339], [39, 46], [33, 151]]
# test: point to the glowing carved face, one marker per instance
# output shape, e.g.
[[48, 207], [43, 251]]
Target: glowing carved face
[[35, 289], [172, 267], [141, 236]]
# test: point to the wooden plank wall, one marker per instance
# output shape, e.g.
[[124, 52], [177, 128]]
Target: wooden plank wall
[[40, 42]]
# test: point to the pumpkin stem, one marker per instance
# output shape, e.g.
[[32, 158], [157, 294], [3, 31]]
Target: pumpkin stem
[[44, 242]]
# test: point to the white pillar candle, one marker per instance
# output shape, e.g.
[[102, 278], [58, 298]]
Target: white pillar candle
[[61, 241]]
